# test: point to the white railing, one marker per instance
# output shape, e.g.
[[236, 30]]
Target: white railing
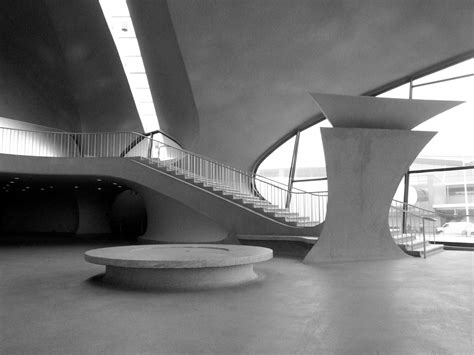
[[409, 224], [130, 144]]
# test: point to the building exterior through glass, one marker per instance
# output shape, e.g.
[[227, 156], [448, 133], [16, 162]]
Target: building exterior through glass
[[442, 176]]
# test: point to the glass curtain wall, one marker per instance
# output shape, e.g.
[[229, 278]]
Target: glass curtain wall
[[442, 176]]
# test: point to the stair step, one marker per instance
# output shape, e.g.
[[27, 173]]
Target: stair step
[[256, 202], [297, 219], [239, 194], [274, 209], [416, 244], [431, 249], [259, 204], [225, 191], [286, 214], [307, 224]]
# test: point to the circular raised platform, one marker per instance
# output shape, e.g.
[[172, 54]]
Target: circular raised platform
[[179, 266]]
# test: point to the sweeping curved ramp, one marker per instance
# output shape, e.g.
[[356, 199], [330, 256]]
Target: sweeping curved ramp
[[180, 208]]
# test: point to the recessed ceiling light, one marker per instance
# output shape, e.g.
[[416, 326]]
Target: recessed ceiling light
[[99, 179], [76, 187], [114, 183], [51, 187], [27, 187], [42, 189], [7, 185], [12, 182], [17, 178], [23, 190], [99, 188], [119, 186]]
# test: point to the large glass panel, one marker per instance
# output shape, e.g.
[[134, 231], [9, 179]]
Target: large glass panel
[[458, 89], [277, 165], [312, 186], [400, 92], [449, 193], [453, 144], [453, 71], [312, 205], [310, 162], [400, 191]]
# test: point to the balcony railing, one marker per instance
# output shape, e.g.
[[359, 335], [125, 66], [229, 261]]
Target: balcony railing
[[135, 145]]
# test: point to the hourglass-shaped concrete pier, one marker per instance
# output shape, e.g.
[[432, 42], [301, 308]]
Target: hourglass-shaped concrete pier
[[367, 153]]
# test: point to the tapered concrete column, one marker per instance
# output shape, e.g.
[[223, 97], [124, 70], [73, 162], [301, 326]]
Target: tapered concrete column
[[367, 153], [364, 168]]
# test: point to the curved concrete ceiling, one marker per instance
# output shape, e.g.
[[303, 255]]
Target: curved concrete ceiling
[[98, 81], [251, 64], [169, 83]]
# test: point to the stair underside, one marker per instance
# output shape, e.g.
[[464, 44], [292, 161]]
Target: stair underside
[[247, 200]]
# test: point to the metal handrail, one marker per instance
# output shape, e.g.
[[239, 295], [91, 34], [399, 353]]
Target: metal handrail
[[407, 239], [132, 144], [437, 213], [152, 133], [417, 208], [262, 178]]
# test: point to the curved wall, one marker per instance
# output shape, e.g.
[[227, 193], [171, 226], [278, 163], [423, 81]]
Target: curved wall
[[59, 67], [170, 222], [252, 63], [34, 86], [98, 81], [166, 72]]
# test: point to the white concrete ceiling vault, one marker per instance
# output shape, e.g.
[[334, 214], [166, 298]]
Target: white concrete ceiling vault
[[252, 63]]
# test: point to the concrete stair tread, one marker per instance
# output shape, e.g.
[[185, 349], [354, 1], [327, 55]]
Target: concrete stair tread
[[431, 249], [254, 202], [307, 224]]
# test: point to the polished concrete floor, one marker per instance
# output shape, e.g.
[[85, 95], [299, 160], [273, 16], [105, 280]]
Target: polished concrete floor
[[51, 303]]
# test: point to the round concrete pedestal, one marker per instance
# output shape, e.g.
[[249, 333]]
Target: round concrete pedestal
[[179, 266]]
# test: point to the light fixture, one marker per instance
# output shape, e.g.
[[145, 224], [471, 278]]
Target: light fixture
[[99, 180], [76, 187], [42, 189], [99, 188], [16, 178], [27, 187], [51, 187]]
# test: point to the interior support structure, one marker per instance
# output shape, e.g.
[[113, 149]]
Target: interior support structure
[[367, 153]]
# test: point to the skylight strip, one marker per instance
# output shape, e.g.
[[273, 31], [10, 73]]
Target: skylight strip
[[121, 27]]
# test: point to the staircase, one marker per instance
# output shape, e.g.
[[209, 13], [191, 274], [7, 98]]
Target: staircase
[[296, 210], [419, 248], [419, 226], [242, 195]]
